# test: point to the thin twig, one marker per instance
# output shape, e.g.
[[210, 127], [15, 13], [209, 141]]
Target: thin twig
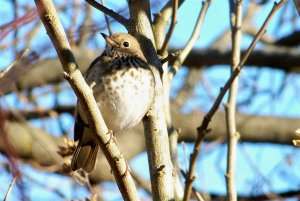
[[170, 56], [85, 96], [194, 190], [8, 68], [195, 35], [235, 15], [203, 129], [74, 19], [119, 18], [106, 20], [161, 20], [10, 188], [184, 156], [16, 31], [171, 29], [297, 5]]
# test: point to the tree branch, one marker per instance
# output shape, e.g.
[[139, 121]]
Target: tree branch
[[160, 23], [203, 129], [285, 59], [235, 15], [195, 35], [107, 21], [156, 135], [171, 29], [84, 93], [119, 18], [10, 188]]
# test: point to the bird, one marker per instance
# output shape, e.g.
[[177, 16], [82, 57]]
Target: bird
[[123, 87]]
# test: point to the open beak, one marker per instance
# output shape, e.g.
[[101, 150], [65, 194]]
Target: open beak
[[108, 40]]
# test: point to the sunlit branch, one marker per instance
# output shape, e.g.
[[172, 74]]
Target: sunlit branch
[[235, 15], [171, 29], [84, 93], [203, 129], [195, 35], [9, 189]]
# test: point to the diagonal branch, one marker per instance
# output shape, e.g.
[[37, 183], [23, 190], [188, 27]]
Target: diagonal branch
[[203, 129], [84, 93], [161, 20], [119, 18], [195, 35], [9, 189]]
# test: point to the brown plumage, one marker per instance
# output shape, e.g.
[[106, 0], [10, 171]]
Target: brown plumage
[[124, 91]]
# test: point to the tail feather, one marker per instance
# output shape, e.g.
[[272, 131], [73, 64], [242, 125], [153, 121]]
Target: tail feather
[[85, 154], [85, 157]]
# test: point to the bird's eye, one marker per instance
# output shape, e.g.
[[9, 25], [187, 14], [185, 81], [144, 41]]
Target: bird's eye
[[126, 44]]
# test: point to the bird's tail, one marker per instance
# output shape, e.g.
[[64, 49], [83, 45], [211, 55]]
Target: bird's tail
[[86, 151]]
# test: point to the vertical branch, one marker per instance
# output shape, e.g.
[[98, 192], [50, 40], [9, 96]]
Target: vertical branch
[[16, 31], [232, 135], [84, 93], [171, 29], [161, 19], [156, 135]]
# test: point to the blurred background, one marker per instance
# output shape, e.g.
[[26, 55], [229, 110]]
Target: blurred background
[[37, 104]]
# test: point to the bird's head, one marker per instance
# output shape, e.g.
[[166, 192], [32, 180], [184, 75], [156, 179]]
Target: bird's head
[[122, 43]]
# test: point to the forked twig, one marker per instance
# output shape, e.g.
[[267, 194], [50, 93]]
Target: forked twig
[[203, 129]]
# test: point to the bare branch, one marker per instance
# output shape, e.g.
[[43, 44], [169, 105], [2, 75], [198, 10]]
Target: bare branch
[[203, 129], [155, 128], [171, 29], [84, 93], [8, 68], [160, 23], [170, 56], [189, 45], [297, 5], [107, 21], [195, 192], [10, 188], [235, 15], [119, 18]]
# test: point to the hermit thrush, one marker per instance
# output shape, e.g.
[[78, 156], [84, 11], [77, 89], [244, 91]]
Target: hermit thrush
[[123, 89]]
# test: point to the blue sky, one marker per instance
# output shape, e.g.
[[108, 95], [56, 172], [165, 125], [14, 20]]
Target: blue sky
[[212, 164]]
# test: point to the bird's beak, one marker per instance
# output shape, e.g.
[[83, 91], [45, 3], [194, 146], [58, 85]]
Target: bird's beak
[[108, 40]]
